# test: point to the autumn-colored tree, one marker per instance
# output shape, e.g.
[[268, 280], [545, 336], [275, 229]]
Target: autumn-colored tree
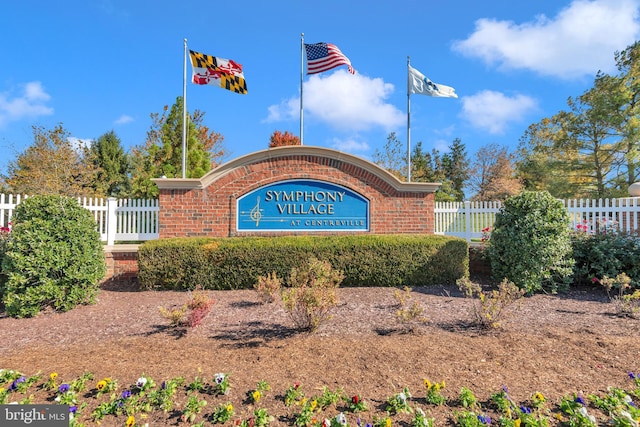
[[493, 174], [53, 164], [279, 139], [161, 155]]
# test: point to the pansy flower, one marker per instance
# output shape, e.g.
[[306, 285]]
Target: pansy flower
[[142, 381], [14, 384]]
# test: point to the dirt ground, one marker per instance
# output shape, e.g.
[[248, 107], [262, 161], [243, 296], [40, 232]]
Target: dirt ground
[[554, 344]]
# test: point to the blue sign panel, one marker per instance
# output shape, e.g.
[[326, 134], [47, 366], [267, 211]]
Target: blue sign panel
[[302, 205]]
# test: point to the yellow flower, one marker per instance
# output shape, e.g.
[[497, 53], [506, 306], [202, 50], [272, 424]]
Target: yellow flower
[[303, 401], [256, 395], [53, 376], [388, 422], [427, 383], [517, 422], [131, 421], [107, 380], [229, 407], [101, 384], [538, 396], [314, 403], [442, 383]]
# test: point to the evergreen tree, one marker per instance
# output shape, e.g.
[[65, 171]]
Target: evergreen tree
[[450, 169], [113, 166], [161, 155], [456, 167]]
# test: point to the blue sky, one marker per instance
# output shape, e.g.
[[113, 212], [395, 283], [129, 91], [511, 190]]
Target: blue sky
[[101, 65]]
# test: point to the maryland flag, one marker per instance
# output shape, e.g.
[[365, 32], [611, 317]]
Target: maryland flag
[[211, 70]]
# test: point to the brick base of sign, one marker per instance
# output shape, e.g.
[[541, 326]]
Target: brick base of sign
[[208, 206], [122, 266]]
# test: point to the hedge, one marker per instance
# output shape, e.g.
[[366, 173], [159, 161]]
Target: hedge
[[236, 263]]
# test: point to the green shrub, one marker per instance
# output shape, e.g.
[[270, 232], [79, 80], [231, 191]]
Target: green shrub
[[606, 255], [5, 235], [365, 260], [530, 243], [54, 258]]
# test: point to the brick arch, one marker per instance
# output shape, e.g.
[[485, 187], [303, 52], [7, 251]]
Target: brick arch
[[207, 206]]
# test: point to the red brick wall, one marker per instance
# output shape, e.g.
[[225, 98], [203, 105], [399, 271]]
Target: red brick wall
[[122, 266], [207, 207]]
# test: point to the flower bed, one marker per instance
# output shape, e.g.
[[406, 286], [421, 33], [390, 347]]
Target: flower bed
[[212, 400]]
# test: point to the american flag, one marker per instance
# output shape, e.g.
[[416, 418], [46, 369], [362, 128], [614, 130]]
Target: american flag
[[325, 56]]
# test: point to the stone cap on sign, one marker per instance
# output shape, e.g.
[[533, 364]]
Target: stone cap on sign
[[295, 151]]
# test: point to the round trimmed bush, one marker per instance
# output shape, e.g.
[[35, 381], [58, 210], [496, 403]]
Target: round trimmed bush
[[531, 245], [54, 258]]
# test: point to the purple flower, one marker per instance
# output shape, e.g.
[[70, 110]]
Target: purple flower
[[163, 385], [73, 409], [14, 384], [632, 375], [525, 410], [126, 394], [63, 388], [580, 400], [484, 419]]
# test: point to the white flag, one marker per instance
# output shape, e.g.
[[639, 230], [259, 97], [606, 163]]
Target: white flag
[[421, 85]]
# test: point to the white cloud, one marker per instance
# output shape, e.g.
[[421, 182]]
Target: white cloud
[[580, 40], [442, 145], [77, 143], [288, 109], [28, 104], [494, 111], [349, 145], [343, 101], [123, 119]]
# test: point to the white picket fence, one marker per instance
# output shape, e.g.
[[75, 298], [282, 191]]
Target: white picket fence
[[116, 219], [468, 219], [137, 219]]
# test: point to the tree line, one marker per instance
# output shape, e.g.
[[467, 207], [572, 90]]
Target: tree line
[[589, 150]]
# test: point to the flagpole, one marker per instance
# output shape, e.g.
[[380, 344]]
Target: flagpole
[[301, 78], [184, 114], [408, 123]]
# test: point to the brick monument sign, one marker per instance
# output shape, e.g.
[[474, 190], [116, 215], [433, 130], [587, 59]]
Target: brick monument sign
[[295, 190]]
